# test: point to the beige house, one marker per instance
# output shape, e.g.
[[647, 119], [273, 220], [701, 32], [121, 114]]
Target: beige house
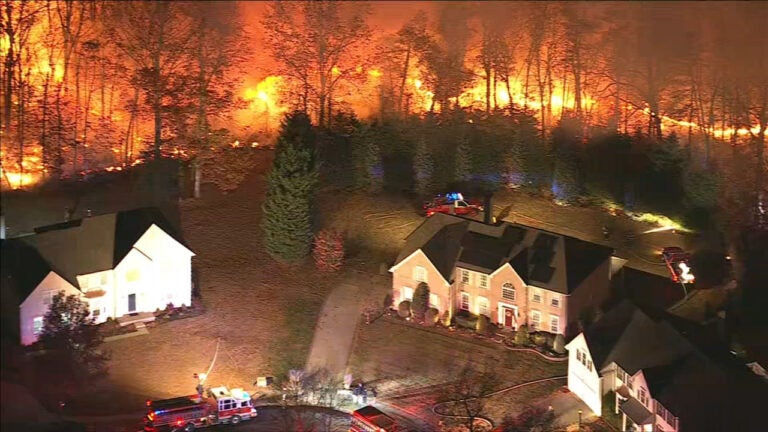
[[120, 263], [659, 380], [511, 273]]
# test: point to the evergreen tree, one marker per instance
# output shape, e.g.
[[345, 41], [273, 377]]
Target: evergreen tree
[[420, 302], [463, 162], [287, 220], [422, 168], [297, 128], [366, 157]]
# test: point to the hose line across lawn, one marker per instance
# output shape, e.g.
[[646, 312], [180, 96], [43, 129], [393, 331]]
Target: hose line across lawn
[[516, 386]]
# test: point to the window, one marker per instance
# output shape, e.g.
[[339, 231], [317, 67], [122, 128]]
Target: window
[[621, 375], [589, 365], [642, 396], [579, 355], [482, 306], [243, 404], [629, 382], [537, 296], [132, 275], [535, 320], [508, 292], [407, 294], [554, 324], [465, 277], [483, 281], [464, 301], [420, 274], [555, 301], [96, 312], [434, 301], [37, 325]]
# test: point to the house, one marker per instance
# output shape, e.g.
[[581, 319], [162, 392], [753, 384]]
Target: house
[[511, 273], [657, 371], [119, 263]]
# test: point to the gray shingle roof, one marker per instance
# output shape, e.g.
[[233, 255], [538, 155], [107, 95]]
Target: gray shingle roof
[[95, 243], [548, 260], [22, 268]]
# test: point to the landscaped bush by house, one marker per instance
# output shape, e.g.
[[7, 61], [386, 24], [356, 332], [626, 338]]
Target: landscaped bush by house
[[420, 302], [404, 309], [539, 340], [559, 345], [388, 301], [466, 320], [432, 316], [521, 337], [483, 326], [445, 319], [328, 251]]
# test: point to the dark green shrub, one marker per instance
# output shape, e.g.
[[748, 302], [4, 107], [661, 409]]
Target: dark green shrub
[[466, 320], [483, 325], [522, 337], [432, 316], [404, 309], [539, 340], [445, 319], [420, 302]]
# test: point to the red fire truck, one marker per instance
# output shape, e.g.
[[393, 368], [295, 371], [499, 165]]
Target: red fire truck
[[371, 419], [186, 413]]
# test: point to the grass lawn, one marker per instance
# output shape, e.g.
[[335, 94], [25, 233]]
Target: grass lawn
[[408, 365]]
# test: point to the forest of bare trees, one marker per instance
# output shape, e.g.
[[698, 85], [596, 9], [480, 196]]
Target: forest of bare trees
[[88, 84]]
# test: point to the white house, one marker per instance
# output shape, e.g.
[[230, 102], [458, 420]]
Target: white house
[[120, 263], [659, 379]]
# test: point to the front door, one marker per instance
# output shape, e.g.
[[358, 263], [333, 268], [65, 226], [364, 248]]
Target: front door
[[509, 318], [131, 303]]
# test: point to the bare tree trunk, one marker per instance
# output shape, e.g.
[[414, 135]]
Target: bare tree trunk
[[406, 65]]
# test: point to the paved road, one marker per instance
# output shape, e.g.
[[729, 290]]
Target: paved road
[[335, 330]]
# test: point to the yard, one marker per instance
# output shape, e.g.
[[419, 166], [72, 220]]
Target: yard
[[408, 365], [262, 315]]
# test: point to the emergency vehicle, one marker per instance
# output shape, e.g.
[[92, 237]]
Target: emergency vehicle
[[371, 419], [452, 203], [186, 413], [677, 261]]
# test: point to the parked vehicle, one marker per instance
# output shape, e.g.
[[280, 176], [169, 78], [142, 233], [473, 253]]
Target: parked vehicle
[[187, 413], [677, 261], [371, 419], [452, 203]]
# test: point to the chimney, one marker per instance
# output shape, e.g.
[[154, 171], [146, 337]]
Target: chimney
[[2, 226], [488, 208]]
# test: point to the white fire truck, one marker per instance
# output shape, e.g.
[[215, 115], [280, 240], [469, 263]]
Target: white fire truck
[[186, 413]]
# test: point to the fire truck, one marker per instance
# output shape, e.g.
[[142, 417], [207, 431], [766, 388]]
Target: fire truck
[[371, 419], [452, 203], [186, 413]]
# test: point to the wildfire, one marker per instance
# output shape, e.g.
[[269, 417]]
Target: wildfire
[[264, 100]]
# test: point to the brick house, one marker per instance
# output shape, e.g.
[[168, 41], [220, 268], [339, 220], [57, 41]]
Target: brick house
[[511, 273]]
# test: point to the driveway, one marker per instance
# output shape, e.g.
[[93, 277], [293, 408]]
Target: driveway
[[335, 330], [567, 406]]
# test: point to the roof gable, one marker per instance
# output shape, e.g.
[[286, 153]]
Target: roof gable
[[22, 268], [94, 244]]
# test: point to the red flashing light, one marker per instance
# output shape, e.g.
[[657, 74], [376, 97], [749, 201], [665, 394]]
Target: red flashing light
[[149, 402], [179, 422], [151, 416]]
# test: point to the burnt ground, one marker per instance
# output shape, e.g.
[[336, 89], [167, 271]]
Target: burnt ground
[[263, 314]]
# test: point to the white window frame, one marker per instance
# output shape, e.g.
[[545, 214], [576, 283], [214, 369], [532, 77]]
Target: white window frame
[[37, 325], [554, 324], [537, 294], [535, 323], [642, 396], [508, 287], [404, 295], [482, 305], [465, 295], [483, 282], [434, 301], [555, 301], [465, 277], [420, 274]]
